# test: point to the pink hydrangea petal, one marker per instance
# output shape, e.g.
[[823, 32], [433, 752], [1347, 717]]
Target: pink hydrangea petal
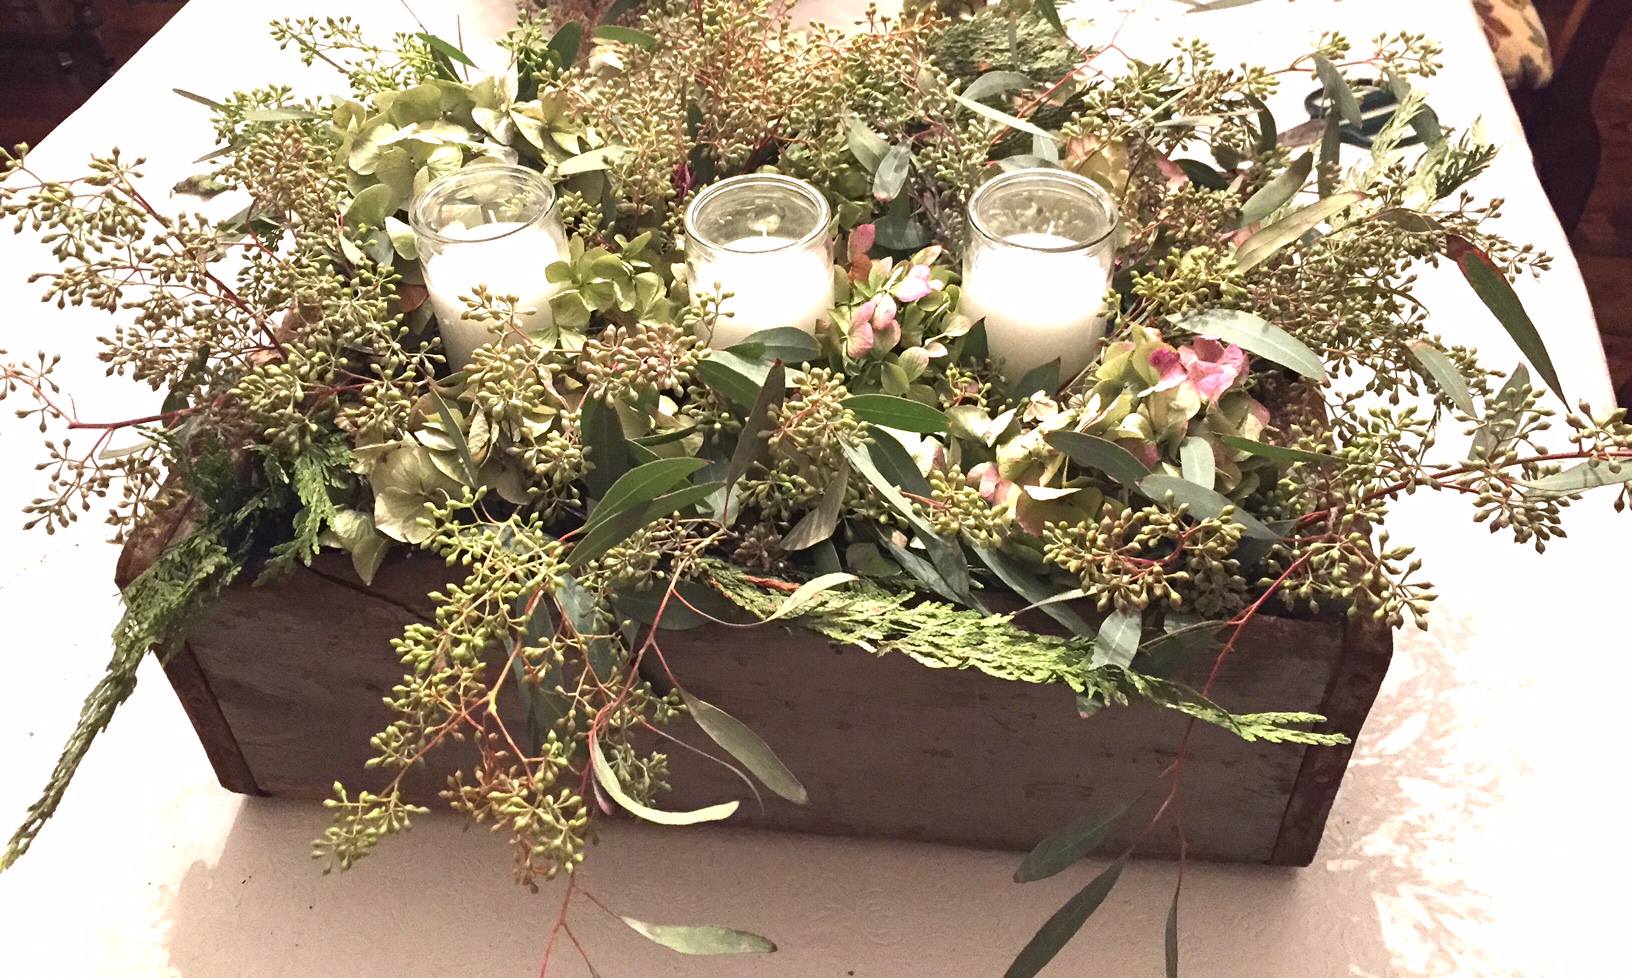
[[915, 286], [1208, 348], [1212, 379], [887, 336], [1235, 358], [884, 312], [860, 342], [861, 241], [864, 312], [1169, 365]]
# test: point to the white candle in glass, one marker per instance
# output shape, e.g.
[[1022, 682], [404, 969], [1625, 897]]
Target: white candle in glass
[[765, 240], [487, 225], [1037, 267]]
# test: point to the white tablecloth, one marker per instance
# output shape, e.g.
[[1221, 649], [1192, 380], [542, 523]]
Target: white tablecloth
[[1443, 855]]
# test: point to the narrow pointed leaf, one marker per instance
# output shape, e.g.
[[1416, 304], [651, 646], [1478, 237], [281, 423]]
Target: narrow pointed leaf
[[457, 435], [1338, 90], [1012, 574], [897, 412], [1202, 174], [608, 780], [1446, 377], [1196, 458], [750, 446], [1050, 13], [820, 523], [642, 484], [786, 343], [1266, 241], [1255, 335], [626, 35], [895, 463], [1281, 453], [446, 50], [1170, 942], [1331, 148], [738, 378], [1203, 503], [1588, 475], [808, 590], [747, 747], [996, 116], [1276, 193], [601, 434], [701, 939], [1066, 847], [1100, 454], [1043, 378], [200, 99], [866, 146], [891, 174], [563, 47], [1065, 923], [1498, 296]]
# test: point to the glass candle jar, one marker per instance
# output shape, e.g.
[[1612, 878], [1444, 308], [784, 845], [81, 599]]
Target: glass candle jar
[[1036, 268], [492, 225], [767, 240]]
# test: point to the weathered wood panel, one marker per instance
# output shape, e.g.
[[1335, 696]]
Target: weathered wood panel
[[886, 747]]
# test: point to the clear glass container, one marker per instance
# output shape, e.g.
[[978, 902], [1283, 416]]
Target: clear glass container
[[494, 225], [1041, 242], [767, 240]]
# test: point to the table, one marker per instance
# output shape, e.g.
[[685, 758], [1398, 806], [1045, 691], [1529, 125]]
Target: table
[[1444, 854]]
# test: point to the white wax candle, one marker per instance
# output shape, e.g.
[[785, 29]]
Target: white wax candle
[[1038, 304], [506, 256], [771, 284]]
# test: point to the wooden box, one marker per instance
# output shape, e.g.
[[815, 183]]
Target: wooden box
[[284, 683]]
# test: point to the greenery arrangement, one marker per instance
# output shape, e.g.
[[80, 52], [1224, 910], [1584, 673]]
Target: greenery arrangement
[[1235, 446]]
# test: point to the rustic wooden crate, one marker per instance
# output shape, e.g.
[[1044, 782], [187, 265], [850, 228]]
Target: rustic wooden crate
[[284, 683]]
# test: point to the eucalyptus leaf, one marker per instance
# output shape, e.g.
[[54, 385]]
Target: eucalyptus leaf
[[866, 146], [641, 485], [1051, 13], [280, 114], [1446, 377], [456, 434], [737, 378], [807, 591], [1170, 937], [1101, 455], [897, 412], [1003, 117], [1065, 848], [563, 47], [747, 747], [446, 50], [200, 99], [1338, 90], [701, 939], [1274, 195], [1588, 475], [595, 159], [1041, 379], [626, 35], [1281, 453], [1255, 335], [751, 447], [608, 780], [996, 83], [1202, 174], [892, 171], [820, 523], [1118, 638], [1266, 241], [1203, 503], [786, 343], [894, 463], [1065, 923], [1196, 459], [1498, 296], [1018, 580]]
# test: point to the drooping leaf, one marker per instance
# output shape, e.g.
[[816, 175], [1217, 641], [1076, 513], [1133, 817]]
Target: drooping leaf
[[1101, 455], [1196, 459], [750, 446], [895, 463], [640, 485], [1203, 503], [808, 590], [747, 747], [456, 434], [1446, 377], [820, 523], [897, 412], [947, 556], [1050, 13], [996, 83], [1483, 436], [201, 100], [595, 159], [1273, 195], [608, 780], [892, 171], [1588, 475], [446, 50], [866, 146], [1266, 241], [1255, 335], [1281, 453], [1065, 923], [626, 35], [701, 939], [1170, 937], [1331, 148], [1066, 847], [980, 108], [1202, 174], [1012, 574], [1118, 638], [1338, 90], [1498, 296], [601, 434], [737, 378]]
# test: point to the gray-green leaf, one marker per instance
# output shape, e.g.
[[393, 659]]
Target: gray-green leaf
[[747, 747], [1256, 335]]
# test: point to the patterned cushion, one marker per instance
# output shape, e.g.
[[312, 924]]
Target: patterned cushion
[[1517, 38]]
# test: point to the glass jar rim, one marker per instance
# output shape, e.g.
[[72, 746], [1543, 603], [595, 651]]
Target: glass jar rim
[[441, 185], [824, 214], [1065, 178]]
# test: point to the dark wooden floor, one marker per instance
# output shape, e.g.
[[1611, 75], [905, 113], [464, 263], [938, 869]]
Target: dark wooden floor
[[41, 92]]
